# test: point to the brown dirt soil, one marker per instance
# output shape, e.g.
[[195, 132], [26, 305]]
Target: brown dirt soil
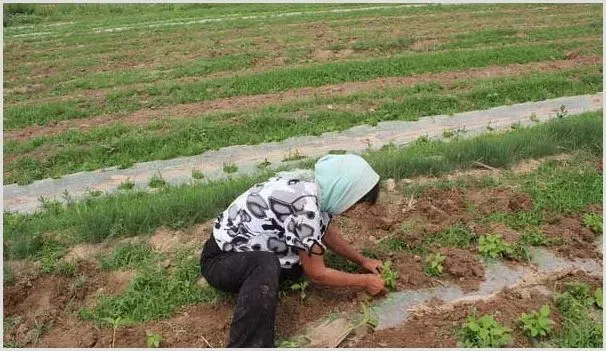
[[144, 116], [437, 326], [528, 166], [571, 238], [488, 201], [463, 267], [204, 325], [443, 207], [411, 273]]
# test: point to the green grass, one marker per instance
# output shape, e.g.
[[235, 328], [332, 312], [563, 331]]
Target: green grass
[[497, 150], [122, 214], [556, 188], [16, 117], [156, 181], [134, 213], [130, 255], [121, 144], [580, 327], [153, 294]]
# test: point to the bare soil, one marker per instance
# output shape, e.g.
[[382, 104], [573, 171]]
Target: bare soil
[[571, 238], [463, 267]]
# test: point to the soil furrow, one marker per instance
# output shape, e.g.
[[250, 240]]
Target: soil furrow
[[145, 116]]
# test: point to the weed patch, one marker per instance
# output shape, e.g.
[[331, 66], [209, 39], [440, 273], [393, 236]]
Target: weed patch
[[153, 294], [130, 255]]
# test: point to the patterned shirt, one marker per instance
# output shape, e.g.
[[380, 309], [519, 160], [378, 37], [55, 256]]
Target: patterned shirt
[[280, 215]]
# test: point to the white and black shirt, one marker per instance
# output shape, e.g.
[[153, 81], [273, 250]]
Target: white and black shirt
[[280, 215]]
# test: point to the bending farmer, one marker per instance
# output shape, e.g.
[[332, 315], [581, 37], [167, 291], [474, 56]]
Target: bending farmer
[[279, 230]]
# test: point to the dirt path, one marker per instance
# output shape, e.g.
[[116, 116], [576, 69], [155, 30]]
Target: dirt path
[[145, 116]]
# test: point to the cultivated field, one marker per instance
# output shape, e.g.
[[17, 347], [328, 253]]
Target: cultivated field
[[88, 87]]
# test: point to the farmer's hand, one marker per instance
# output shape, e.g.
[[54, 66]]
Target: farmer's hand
[[374, 284], [372, 266]]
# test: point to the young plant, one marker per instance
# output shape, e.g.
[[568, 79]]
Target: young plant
[[368, 318], [519, 252], [293, 156], [156, 181], [433, 264], [593, 221], [287, 344], [389, 276], [153, 339], [264, 164], [126, 185], [300, 286], [116, 323], [535, 324], [493, 246], [196, 174], [230, 167], [484, 332], [534, 238]]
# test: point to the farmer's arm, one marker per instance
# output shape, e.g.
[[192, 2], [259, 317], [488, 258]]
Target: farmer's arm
[[334, 240], [318, 273]]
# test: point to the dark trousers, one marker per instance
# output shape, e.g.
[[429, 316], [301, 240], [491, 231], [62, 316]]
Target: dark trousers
[[256, 277]]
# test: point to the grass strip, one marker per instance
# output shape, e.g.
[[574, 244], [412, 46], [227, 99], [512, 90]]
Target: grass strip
[[124, 145], [154, 293], [128, 214], [278, 80]]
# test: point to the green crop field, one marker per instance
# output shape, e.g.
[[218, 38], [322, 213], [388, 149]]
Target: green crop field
[[102, 85]]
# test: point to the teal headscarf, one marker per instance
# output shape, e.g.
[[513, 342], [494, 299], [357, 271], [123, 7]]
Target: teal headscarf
[[343, 180]]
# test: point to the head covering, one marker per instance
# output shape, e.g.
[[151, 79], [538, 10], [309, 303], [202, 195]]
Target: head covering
[[343, 180]]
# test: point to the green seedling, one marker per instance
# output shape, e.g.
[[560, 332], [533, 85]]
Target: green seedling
[[287, 344], [126, 185], [533, 118], [534, 238], [563, 112], [337, 152], [368, 318], [153, 339], [593, 221], [493, 246], [520, 252], [230, 167], [293, 156], [115, 324], [197, 174], [535, 324], [433, 264], [156, 181], [389, 276], [580, 291], [484, 332], [264, 164], [302, 286]]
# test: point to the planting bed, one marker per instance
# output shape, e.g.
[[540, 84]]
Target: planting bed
[[412, 220]]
